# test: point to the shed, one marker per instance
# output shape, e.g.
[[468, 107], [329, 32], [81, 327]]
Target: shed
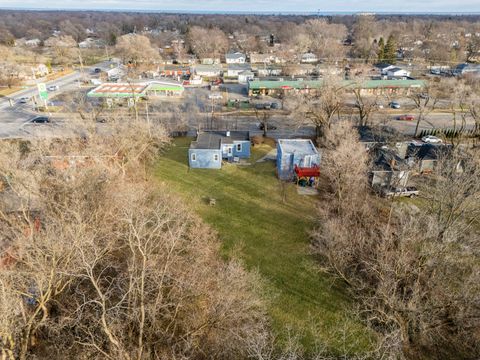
[[295, 152]]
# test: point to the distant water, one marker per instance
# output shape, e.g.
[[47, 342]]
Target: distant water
[[233, 12]]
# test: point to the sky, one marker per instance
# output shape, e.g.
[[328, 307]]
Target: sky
[[402, 6]]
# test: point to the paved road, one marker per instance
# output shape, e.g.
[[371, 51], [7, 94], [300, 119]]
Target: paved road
[[14, 120]]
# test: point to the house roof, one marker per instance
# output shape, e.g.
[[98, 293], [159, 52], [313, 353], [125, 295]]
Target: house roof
[[395, 69], [209, 67], [214, 139], [383, 65], [428, 151], [387, 159], [297, 146], [236, 55], [241, 67]]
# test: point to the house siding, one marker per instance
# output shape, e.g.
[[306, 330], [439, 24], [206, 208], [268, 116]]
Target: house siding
[[244, 153], [286, 162], [205, 159]]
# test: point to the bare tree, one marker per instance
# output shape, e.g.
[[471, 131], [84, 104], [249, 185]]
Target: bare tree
[[318, 107], [136, 49], [413, 272], [425, 101], [207, 42]]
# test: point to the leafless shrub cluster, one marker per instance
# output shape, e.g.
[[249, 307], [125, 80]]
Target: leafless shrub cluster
[[108, 266], [415, 272]]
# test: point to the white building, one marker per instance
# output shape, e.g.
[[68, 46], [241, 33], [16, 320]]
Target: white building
[[245, 76], [234, 70], [396, 72], [309, 58], [208, 70], [235, 58]]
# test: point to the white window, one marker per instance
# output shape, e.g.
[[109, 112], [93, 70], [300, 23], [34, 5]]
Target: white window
[[239, 147], [194, 157], [215, 157]]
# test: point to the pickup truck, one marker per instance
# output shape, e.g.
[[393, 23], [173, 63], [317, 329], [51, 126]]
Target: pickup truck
[[409, 191]]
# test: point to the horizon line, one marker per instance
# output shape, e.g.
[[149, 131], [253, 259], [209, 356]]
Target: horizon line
[[249, 12]]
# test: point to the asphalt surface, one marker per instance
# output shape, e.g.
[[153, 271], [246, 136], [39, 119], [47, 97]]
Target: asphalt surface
[[15, 120], [15, 116]]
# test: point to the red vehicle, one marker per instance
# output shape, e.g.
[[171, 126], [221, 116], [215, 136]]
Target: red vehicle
[[406, 117]]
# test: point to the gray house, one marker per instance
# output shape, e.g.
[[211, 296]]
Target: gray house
[[428, 155], [208, 150], [389, 168], [235, 58], [299, 152]]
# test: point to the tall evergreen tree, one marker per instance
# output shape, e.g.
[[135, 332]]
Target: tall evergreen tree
[[390, 51], [381, 50]]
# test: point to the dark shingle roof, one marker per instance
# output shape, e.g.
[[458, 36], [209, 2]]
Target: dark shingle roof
[[213, 139], [428, 151]]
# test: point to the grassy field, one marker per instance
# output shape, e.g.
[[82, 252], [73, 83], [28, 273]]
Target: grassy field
[[271, 237]]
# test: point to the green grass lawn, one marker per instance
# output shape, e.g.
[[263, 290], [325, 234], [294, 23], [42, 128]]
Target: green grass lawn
[[271, 237]]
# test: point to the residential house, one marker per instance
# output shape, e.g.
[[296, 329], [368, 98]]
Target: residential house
[[208, 150], [295, 152], [210, 61], [308, 58], [397, 73], [384, 67], [389, 168], [89, 43], [186, 59], [256, 58], [270, 70], [235, 58], [427, 155], [208, 70], [234, 70], [245, 76]]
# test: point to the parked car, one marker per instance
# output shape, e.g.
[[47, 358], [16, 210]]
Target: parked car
[[275, 106], [406, 117], [430, 139], [97, 70], [53, 88], [23, 100], [40, 120], [409, 191], [435, 71], [261, 126], [394, 105]]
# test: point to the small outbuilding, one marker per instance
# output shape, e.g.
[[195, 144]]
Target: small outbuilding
[[298, 154]]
